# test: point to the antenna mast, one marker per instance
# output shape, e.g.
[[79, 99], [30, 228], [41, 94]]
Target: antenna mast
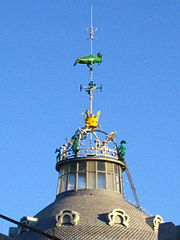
[[91, 68], [91, 30]]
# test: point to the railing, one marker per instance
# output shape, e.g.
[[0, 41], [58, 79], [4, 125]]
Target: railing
[[86, 152]]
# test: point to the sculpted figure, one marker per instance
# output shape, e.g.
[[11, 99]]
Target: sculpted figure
[[122, 150], [89, 60]]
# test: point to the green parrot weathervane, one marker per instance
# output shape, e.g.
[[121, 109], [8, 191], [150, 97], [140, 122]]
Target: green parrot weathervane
[[89, 60]]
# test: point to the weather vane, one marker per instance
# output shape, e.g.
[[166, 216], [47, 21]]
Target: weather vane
[[89, 61]]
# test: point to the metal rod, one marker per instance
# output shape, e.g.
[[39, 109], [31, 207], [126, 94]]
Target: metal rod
[[91, 101], [91, 69], [91, 92], [28, 227], [91, 30], [132, 187], [90, 140]]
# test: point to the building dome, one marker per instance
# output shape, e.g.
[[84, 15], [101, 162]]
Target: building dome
[[90, 201], [92, 207]]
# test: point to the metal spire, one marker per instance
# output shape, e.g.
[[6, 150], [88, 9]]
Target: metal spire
[[91, 30], [89, 61], [91, 72], [92, 85], [91, 119]]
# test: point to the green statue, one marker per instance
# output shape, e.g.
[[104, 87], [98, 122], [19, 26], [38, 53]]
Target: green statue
[[122, 150], [75, 146], [58, 156], [89, 60]]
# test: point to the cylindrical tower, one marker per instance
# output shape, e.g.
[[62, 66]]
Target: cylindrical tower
[[98, 166]]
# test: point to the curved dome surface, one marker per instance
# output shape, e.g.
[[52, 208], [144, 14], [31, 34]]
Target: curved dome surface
[[93, 207]]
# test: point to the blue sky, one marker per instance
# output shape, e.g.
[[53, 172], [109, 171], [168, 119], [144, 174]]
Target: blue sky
[[41, 103]]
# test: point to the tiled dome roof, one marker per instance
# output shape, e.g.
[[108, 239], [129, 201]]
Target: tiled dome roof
[[92, 207]]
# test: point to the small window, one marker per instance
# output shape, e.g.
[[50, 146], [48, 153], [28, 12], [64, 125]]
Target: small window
[[116, 183], [72, 167], [116, 169], [63, 183], [101, 166], [67, 217], [81, 180], [60, 172], [82, 166], [65, 168], [71, 181], [110, 167], [59, 185], [66, 220], [101, 180], [110, 178], [91, 180], [92, 166]]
